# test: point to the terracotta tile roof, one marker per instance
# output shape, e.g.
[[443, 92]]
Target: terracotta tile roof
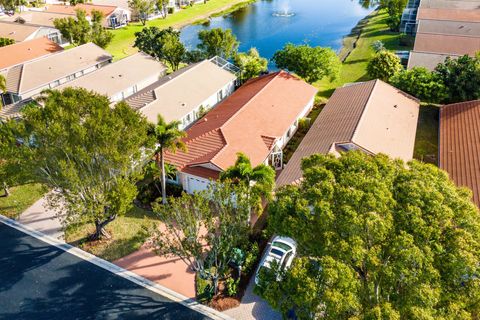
[[448, 14], [16, 31], [25, 51], [87, 7], [427, 60], [446, 44], [248, 121], [373, 115], [460, 144], [460, 28], [450, 4]]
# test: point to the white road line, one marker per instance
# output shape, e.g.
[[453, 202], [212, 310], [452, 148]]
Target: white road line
[[121, 272]]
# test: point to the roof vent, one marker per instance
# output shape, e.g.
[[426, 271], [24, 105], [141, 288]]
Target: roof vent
[[205, 119], [183, 104], [395, 106]]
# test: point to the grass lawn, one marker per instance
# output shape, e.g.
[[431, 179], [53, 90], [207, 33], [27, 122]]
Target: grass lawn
[[121, 45], [355, 66], [426, 142], [128, 234], [21, 197]]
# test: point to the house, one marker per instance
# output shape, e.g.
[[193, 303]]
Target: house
[[459, 144], [19, 53], [41, 20], [122, 78], [372, 117], [258, 119], [187, 93], [20, 32], [30, 78], [114, 17]]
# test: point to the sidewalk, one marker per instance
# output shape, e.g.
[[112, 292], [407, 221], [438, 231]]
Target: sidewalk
[[41, 218]]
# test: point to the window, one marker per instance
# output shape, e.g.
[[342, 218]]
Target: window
[[54, 84], [220, 95], [70, 77]]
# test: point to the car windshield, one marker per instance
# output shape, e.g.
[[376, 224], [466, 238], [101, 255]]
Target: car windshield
[[277, 252], [281, 245]]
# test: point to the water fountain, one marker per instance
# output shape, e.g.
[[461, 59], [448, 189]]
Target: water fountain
[[284, 10]]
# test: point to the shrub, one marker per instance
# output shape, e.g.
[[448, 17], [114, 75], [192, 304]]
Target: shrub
[[232, 286], [251, 258]]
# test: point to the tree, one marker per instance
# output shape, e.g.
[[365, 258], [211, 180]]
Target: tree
[[6, 42], [142, 9], [88, 151], [258, 181], [384, 65], [168, 138], [461, 77], [11, 5], [218, 42], [76, 30], [421, 83], [99, 35], [3, 88], [162, 44], [203, 229], [162, 7], [394, 9], [310, 63], [393, 240], [251, 64]]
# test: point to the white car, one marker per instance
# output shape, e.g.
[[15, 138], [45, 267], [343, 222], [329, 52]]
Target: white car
[[282, 250]]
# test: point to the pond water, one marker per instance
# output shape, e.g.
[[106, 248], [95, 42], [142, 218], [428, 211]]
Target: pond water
[[269, 24]]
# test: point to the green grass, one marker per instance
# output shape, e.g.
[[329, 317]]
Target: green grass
[[426, 141], [128, 234], [354, 68], [21, 197], [121, 46]]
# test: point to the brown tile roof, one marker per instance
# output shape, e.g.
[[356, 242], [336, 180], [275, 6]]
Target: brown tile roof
[[261, 111], [16, 31], [460, 144], [427, 60], [25, 51], [87, 7], [460, 28], [448, 14], [373, 115], [37, 18], [450, 4], [446, 44]]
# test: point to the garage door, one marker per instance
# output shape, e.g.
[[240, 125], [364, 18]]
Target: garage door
[[196, 184]]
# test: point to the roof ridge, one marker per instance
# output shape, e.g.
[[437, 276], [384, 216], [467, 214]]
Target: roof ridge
[[459, 103]]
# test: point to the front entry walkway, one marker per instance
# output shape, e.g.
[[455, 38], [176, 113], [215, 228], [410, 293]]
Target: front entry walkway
[[41, 218]]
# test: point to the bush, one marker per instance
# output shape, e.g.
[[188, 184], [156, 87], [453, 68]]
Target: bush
[[251, 257], [204, 289], [232, 286], [171, 10]]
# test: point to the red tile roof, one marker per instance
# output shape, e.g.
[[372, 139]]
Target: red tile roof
[[21, 52], [460, 144], [248, 121], [448, 14], [446, 44]]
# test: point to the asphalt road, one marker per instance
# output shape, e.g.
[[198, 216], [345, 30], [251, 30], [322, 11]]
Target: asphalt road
[[39, 281]]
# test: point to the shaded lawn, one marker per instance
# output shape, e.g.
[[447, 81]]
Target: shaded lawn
[[21, 198], [128, 234], [122, 43], [426, 140], [354, 68]]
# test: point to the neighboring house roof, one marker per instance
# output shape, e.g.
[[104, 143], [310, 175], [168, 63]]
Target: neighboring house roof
[[448, 14], [460, 28], [180, 93], [450, 4], [116, 3], [120, 75], [87, 7], [15, 31], [35, 74], [446, 44], [459, 147], [373, 115], [22, 52], [427, 60], [248, 121], [37, 18]]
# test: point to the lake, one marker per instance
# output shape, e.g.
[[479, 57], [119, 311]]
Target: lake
[[269, 24]]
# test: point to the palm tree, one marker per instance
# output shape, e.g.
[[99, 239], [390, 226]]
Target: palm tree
[[260, 180], [169, 138], [3, 88]]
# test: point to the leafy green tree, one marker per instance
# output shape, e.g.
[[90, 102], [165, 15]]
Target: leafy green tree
[[75, 2], [98, 34], [310, 63], [168, 137], [3, 88], [203, 229], [142, 9], [461, 78], [394, 9], [421, 83], [76, 30], [384, 65], [218, 42], [251, 64], [393, 241], [259, 181], [163, 44], [86, 150], [11, 5], [6, 42], [162, 7]]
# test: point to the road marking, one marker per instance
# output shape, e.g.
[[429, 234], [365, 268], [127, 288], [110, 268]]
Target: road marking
[[119, 271]]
